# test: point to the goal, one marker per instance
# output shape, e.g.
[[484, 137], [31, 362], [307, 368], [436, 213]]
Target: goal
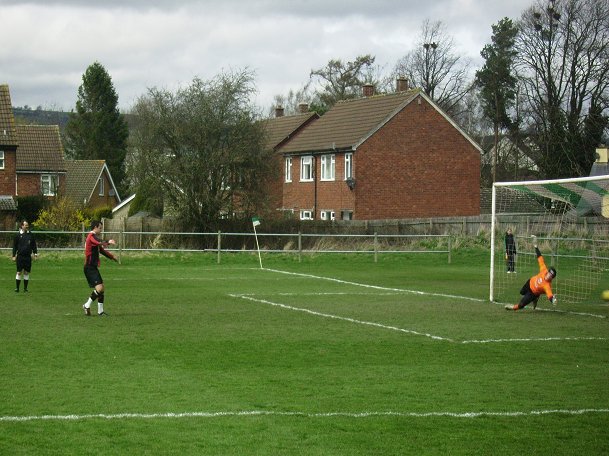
[[570, 218]]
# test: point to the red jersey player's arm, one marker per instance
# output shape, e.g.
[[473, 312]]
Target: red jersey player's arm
[[105, 253]]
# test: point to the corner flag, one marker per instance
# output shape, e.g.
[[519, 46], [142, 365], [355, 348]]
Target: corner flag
[[256, 222]]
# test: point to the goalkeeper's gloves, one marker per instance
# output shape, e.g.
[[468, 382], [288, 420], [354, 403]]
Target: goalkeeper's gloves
[[553, 300], [534, 240]]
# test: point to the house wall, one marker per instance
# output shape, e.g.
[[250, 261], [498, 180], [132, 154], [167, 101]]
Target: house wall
[[7, 175], [98, 200], [417, 165], [29, 184], [331, 195]]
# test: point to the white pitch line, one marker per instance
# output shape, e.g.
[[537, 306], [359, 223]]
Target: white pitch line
[[409, 331], [336, 317], [376, 287], [249, 413], [533, 339]]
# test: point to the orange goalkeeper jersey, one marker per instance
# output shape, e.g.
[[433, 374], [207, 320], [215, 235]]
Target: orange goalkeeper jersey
[[538, 283]]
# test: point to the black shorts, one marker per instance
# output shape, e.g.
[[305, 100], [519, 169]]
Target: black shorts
[[527, 294], [24, 263], [93, 276]]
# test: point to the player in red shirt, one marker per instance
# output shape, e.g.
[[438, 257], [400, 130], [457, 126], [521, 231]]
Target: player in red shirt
[[537, 285], [93, 247]]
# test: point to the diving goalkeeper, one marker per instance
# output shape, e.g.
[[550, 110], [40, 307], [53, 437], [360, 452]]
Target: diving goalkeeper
[[537, 285]]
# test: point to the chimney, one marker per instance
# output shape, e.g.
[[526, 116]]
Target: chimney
[[279, 111], [401, 84], [368, 90], [602, 155], [303, 108]]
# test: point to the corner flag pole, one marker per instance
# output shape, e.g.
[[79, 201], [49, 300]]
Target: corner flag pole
[[256, 222]]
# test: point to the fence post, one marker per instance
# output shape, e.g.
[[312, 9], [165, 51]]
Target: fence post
[[141, 231], [376, 247], [300, 246], [449, 249], [219, 244], [83, 233]]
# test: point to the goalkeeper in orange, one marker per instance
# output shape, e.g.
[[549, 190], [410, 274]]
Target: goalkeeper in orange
[[537, 285]]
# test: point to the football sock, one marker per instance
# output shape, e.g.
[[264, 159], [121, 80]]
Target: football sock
[[17, 282], [100, 303], [26, 279], [88, 303], [94, 295]]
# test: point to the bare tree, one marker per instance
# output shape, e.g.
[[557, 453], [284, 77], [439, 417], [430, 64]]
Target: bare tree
[[563, 51], [203, 147], [434, 67]]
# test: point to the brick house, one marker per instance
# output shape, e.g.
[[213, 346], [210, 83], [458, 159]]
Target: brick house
[[8, 160], [381, 157], [40, 166], [89, 183], [279, 130]]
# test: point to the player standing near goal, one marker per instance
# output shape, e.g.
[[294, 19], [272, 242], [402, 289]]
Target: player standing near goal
[[536, 285], [23, 247], [510, 251], [93, 247]]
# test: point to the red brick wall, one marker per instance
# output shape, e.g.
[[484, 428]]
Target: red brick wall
[[417, 165], [106, 200], [331, 195], [29, 184], [7, 175]]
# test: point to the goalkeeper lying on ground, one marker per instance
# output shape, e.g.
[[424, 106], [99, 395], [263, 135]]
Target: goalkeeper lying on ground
[[536, 285]]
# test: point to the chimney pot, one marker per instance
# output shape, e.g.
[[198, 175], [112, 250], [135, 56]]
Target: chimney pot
[[401, 84], [368, 90], [279, 111], [303, 108]]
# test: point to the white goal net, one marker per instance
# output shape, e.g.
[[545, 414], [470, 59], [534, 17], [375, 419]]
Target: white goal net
[[570, 218]]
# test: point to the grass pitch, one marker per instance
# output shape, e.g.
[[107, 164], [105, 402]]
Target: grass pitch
[[334, 355]]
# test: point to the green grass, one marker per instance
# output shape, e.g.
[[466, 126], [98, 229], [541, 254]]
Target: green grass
[[283, 361]]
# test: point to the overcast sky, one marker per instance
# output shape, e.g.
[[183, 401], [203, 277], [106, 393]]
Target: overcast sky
[[48, 44]]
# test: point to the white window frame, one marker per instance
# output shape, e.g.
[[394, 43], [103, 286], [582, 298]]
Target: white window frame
[[101, 186], [50, 181], [327, 214], [1, 159], [348, 165], [328, 167], [306, 214], [306, 168], [288, 169]]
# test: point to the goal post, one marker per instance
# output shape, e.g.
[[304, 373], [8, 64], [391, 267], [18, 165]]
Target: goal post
[[570, 218]]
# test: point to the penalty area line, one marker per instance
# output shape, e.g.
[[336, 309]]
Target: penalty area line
[[337, 317], [376, 287], [256, 413]]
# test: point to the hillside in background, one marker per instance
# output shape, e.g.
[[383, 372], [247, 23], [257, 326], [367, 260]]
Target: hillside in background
[[26, 116]]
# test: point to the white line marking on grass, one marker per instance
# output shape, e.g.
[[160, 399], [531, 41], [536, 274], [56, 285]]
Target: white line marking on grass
[[534, 339], [248, 413], [336, 317], [570, 312], [376, 287]]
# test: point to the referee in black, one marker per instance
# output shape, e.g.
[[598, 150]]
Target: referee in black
[[23, 248]]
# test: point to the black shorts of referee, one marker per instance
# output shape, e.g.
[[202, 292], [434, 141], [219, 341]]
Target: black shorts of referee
[[24, 263]]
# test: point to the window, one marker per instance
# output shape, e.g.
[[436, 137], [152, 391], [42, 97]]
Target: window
[[328, 165], [288, 169], [328, 215], [1, 159], [348, 166], [101, 186], [306, 168], [306, 215], [346, 215], [48, 184]]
